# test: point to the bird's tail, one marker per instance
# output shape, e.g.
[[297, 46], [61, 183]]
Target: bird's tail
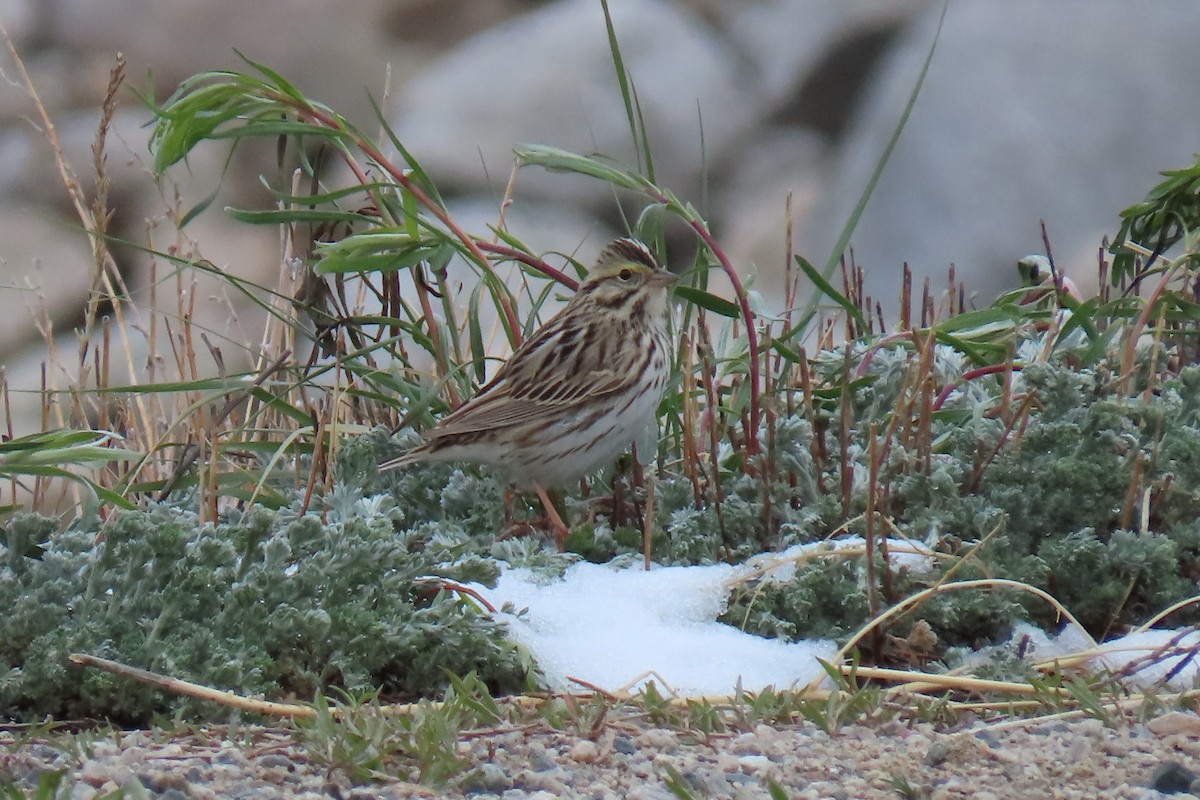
[[411, 457]]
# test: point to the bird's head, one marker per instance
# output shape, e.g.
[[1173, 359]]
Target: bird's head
[[627, 278]]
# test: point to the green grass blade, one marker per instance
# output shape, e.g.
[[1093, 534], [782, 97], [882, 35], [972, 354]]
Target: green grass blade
[[826, 288], [843, 240], [633, 111]]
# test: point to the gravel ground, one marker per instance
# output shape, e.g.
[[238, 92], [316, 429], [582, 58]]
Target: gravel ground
[[1082, 759]]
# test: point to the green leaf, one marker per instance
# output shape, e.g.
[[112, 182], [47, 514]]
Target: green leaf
[[475, 331], [553, 158], [705, 300], [287, 216], [633, 108], [826, 288]]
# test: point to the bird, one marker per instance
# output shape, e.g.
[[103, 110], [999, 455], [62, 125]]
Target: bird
[[577, 392]]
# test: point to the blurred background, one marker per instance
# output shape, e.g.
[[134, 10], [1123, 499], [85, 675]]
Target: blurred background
[[1062, 112]]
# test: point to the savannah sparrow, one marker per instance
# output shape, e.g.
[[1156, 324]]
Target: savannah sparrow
[[577, 392]]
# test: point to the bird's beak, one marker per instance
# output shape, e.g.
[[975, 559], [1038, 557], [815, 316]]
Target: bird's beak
[[663, 278]]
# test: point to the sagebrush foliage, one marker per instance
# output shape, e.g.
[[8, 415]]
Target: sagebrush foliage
[[267, 603], [1051, 499], [278, 603]]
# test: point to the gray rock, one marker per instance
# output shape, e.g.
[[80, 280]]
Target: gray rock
[[19, 18], [624, 745], [46, 264], [1171, 777], [490, 778], [322, 49], [937, 754], [275, 760], [547, 77], [783, 41], [752, 203], [1028, 112]]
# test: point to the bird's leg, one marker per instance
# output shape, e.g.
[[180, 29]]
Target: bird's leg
[[508, 506], [552, 516]]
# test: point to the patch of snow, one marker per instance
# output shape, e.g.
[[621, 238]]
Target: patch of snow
[[616, 628], [781, 567], [1142, 658], [612, 627], [1153, 656]]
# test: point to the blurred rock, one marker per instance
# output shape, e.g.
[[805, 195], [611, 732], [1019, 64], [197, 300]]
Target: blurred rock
[[52, 74], [20, 19], [752, 203], [46, 266], [548, 77], [439, 24], [28, 170], [784, 40], [325, 49], [1030, 111]]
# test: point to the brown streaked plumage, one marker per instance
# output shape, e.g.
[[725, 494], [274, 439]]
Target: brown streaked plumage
[[577, 392]]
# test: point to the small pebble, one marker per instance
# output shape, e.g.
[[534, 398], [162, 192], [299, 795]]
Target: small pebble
[[1175, 723], [585, 751], [545, 781], [1171, 777], [1078, 749], [81, 791], [990, 738], [490, 778], [829, 790], [659, 740], [937, 754], [624, 745], [275, 760], [755, 763]]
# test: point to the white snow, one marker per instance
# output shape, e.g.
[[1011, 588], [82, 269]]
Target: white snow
[[617, 628], [1156, 655], [610, 628], [1140, 659]]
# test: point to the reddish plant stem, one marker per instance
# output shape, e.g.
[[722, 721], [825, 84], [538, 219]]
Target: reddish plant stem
[[743, 302], [970, 375], [447, 585], [556, 275], [1006, 435], [372, 152], [845, 424]]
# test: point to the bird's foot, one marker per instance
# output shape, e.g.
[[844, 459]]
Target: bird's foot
[[557, 526], [538, 525], [617, 507]]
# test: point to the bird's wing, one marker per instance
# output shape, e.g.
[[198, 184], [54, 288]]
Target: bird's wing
[[585, 357]]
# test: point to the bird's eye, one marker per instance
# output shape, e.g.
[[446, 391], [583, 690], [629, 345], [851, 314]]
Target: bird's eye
[[625, 275]]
